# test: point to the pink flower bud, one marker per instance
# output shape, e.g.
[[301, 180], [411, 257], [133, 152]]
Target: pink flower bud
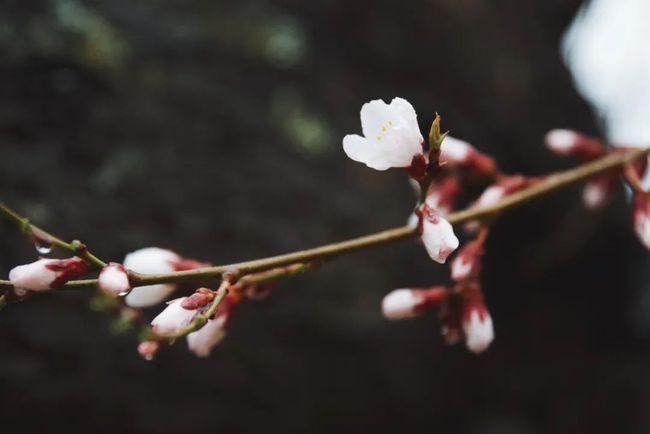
[[153, 260], [437, 234], [411, 302], [569, 142], [148, 349], [476, 321], [46, 274], [174, 318], [468, 261], [641, 217], [442, 194], [114, 280], [202, 341], [599, 190], [459, 153], [494, 193]]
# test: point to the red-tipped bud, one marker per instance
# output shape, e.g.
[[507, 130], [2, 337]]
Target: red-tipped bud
[[467, 263], [569, 142], [442, 194], [174, 318], [148, 349], [436, 233], [459, 153], [202, 341], [476, 320], [599, 190], [114, 280], [641, 217], [499, 190], [46, 274], [411, 302]]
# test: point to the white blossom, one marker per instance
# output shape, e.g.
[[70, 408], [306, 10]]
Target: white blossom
[[391, 135]]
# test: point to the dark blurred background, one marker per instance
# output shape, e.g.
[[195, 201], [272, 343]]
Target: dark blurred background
[[214, 128]]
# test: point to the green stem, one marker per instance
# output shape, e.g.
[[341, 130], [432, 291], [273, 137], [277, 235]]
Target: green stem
[[34, 233]]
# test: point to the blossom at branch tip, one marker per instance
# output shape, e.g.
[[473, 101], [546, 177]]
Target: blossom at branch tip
[[173, 318], [411, 302], [459, 153], [154, 260], [570, 142], [113, 279], [641, 217], [46, 274], [476, 320], [467, 262], [436, 233], [391, 135]]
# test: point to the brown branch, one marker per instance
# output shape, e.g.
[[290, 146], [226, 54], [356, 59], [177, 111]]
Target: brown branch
[[546, 185]]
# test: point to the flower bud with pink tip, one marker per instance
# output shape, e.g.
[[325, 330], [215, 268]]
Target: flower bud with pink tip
[[148, 349], [391, 136], [570, 142], [476, 320], [641, 217], [153, 260], [497, 191], [597, 191], [436, 233], [411, 302], [203, 341], [174, 318], [46, 274], [467, 263], [459, 153], [114, 280]]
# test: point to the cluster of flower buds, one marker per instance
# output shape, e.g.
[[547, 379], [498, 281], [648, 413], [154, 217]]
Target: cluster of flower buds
[[181, 312], [391, 138], [597, 191]]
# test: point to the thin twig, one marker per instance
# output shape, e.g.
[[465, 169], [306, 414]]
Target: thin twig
[[38, 235]]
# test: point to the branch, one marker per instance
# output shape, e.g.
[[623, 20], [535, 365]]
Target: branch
[[42, 238], [546, 185]]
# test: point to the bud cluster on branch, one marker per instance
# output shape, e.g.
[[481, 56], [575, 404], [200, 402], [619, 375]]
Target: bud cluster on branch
[[440, 170]]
